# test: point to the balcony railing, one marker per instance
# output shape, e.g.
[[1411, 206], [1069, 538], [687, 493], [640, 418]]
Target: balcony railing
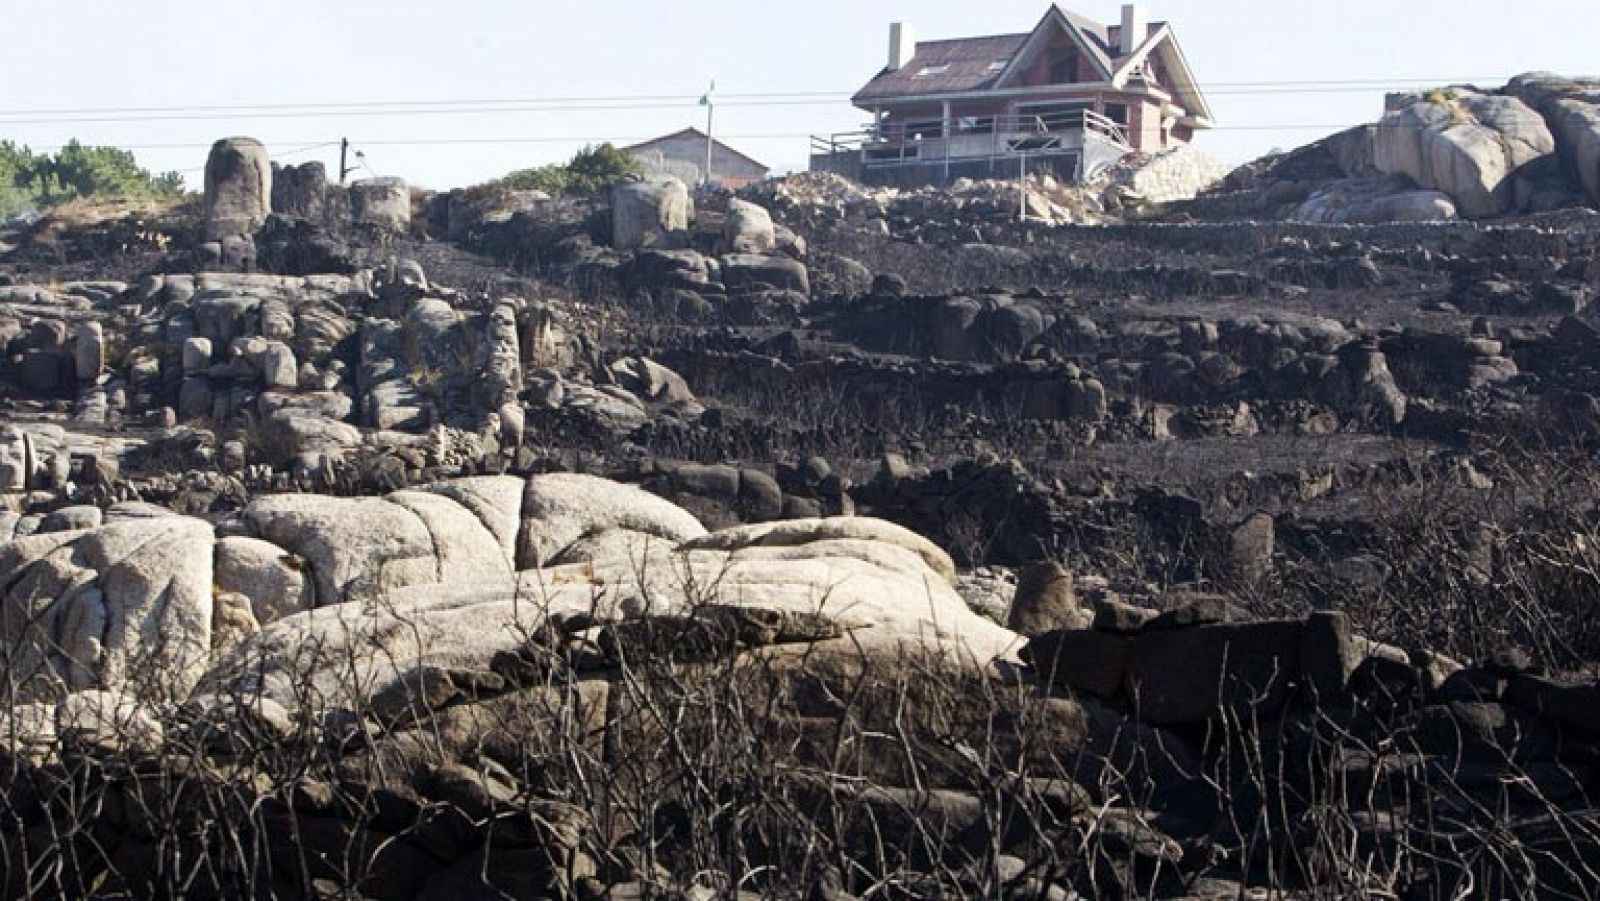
[[964, 138]]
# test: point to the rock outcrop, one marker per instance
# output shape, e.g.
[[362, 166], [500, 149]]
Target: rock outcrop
[[300, 192], [650, 213], [1474, 147], [238, 188], [1571, 108], [358, 594], [125, 604], [748, 229], [381, 203]]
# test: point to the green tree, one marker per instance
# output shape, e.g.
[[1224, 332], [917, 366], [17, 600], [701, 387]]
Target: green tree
[[107, 172], [595, 169], [590, 171], [18, 178], [29, 179]]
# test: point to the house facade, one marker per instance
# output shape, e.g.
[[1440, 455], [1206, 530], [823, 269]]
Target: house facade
[[683, 156], [1070, 97]]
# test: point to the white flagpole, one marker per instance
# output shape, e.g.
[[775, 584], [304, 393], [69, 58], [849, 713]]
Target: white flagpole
[[711, 109]]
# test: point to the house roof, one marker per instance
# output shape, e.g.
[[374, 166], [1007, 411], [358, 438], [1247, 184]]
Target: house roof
[[946, 67], [695, 133], [970, 65]]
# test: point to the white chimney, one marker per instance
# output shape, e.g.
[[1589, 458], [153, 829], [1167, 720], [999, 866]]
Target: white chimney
[[902, 45], [1135, 26]]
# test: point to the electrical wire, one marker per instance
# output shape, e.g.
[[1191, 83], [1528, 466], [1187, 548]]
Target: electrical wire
[[623, 140], [612, 103]]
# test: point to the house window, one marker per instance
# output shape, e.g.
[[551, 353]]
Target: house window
[[1117, 112], [933, 70], [1063, 69], [998, 65]]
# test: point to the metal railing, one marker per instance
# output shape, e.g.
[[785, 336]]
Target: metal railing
[[920, 140]]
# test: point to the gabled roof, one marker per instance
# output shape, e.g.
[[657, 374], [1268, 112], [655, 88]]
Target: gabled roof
[[972, 65], [1091, 37], [694, 133], [1164, 45]]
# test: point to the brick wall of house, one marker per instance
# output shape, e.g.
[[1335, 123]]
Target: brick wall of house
[[1061, 47]]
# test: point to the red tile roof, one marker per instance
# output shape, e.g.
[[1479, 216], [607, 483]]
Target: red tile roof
[[964, 65]]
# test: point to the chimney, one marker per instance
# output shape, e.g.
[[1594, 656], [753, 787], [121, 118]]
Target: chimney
[[1135, 27], [902, 45]]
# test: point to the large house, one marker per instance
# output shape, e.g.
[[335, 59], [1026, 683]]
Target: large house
[[1071, 97], [682, 154]]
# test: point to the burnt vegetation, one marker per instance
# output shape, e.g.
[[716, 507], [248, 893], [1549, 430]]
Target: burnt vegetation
[[1295, 529]]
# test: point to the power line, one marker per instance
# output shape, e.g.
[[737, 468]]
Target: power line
[[534, 109], [103, 115], [354, 113], [1360, 81], [417, 103], [194, 170], [617, 139]]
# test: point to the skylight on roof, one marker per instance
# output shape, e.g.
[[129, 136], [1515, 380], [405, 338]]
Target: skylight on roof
[[999, 64], [934, 70]]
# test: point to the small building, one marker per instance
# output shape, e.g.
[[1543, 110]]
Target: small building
[[1070, 97], [683, 156]]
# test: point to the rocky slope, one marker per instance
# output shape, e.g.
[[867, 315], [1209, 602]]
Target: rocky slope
[[815, 542]]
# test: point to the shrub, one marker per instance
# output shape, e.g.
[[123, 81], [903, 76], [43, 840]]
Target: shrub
[[590, 171]]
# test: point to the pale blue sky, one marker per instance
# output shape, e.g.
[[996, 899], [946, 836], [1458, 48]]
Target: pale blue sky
[[115, 54]]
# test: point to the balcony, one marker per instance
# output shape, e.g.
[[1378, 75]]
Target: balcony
[[1089, 136]]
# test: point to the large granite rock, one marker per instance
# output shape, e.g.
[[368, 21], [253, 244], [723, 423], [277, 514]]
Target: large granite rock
[[748, 229], [1571, 108], [381, 203], [805, 532], [854, 602], [650, 213], [238, 188], [561, 508], [756, 272], [127, 606], [1468, 145], [361, 548], [300, 192], [273, 579], [89, 351], [1356, 201]]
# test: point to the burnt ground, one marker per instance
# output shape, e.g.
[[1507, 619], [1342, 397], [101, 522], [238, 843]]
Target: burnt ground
[[1223, 433], [1059, 391]]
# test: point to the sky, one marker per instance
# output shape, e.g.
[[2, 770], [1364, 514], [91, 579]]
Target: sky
[[472, 89]]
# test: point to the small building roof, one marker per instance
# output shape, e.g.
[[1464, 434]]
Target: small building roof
[[696, 133]]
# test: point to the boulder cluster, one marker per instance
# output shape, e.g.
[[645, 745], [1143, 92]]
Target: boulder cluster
[[1461, 151], [435, 651]]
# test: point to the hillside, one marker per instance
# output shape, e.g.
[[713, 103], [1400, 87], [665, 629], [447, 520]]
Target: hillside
[[816, 541]]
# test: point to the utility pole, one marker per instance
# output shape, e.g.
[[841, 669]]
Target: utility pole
[[344, 153], [709, 101]]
